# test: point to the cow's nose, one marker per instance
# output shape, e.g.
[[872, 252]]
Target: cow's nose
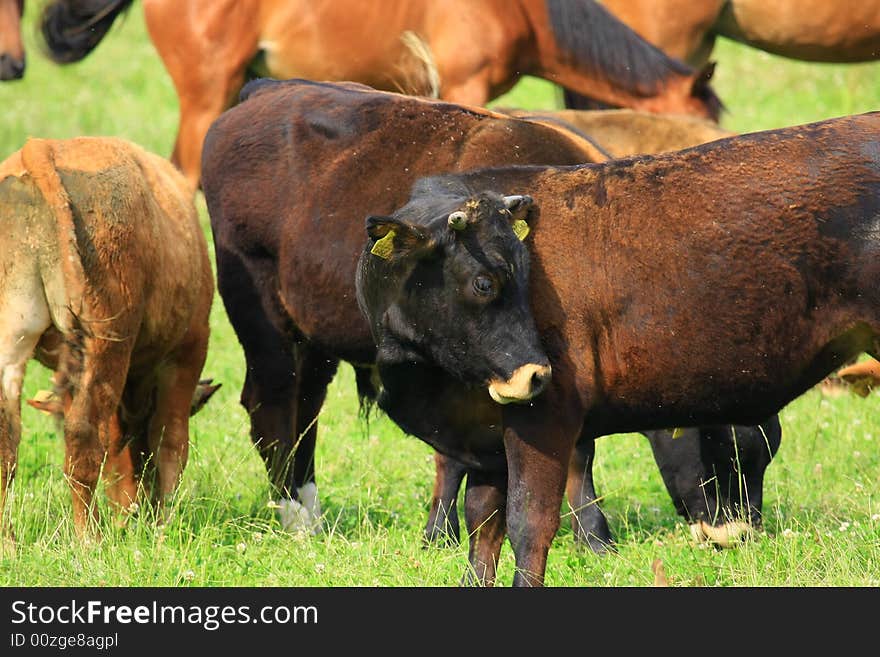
[[11, 68], [539, 381], [526, 382]]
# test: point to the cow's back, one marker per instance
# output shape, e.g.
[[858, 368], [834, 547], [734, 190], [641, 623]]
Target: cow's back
[[765, 243], [138, 241], [291, 173]]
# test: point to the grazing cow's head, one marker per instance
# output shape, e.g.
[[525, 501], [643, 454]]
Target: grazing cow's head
[[444, 281]]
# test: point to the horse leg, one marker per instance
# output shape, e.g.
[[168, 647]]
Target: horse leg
[[12, 60], [538, 455], [587, 520], [484, 505], [472, 91], [206, 63], [443, 518]]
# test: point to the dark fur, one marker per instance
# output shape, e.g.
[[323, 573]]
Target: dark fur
[[73, 28]]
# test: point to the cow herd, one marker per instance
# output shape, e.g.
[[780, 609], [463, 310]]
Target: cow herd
[[508, 287]]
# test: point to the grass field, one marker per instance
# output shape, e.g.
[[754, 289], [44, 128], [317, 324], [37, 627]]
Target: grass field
[[822, 510]]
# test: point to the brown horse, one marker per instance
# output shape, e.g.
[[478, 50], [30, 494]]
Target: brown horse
[[810, 30], [11, 46], [464, 51]]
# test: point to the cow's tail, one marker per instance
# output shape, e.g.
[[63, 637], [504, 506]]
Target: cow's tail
[[38, 159], [72, 28]]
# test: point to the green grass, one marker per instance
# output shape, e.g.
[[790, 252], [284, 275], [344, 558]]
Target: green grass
[[822, 513]]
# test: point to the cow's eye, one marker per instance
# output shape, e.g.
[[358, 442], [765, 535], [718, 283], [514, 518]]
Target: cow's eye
[[484, 285]]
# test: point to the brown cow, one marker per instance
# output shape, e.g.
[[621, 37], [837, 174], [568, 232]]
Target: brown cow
[[286, 257], [710, 285], [105, 278]]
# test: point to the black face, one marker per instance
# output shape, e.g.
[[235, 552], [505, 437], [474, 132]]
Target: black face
[[449, 287]]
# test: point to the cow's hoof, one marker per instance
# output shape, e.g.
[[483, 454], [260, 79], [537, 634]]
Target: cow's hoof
[[302, 515], [728, 535]]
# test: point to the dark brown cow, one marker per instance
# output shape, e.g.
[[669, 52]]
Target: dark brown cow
[[287, 248], [711, 285], [105, 278]]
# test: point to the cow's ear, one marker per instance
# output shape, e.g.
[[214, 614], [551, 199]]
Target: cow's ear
[[519, 207], [392, 237]]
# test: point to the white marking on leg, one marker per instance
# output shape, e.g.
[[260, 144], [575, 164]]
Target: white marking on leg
[[304, 514]]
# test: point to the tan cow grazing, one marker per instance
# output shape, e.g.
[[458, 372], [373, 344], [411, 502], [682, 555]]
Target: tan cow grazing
[[625, 132], [104, 278], [861, 378]]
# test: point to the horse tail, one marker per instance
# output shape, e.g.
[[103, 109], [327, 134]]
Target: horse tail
[[72, 28], [590, 36], [38, 158], [425, 80]]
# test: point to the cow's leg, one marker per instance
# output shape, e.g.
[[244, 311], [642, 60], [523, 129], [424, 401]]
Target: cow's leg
[[756, 450], [740, 456], [314, 371], [10, 436], [538, 451], [688, 475], [443, 518], [23, 323], [270, 386], [120, 476], [168, 437], [484, 505], [95, 391], [587, 520]]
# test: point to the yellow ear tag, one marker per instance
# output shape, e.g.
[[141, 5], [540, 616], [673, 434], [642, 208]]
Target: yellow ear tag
[[521, 229], [385, 246], [678, 432]]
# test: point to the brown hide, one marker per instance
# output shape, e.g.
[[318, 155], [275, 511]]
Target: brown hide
[[106, 280], [711, 285], [290, 175]]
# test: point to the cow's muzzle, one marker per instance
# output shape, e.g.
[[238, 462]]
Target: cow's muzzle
[[525, 383]]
